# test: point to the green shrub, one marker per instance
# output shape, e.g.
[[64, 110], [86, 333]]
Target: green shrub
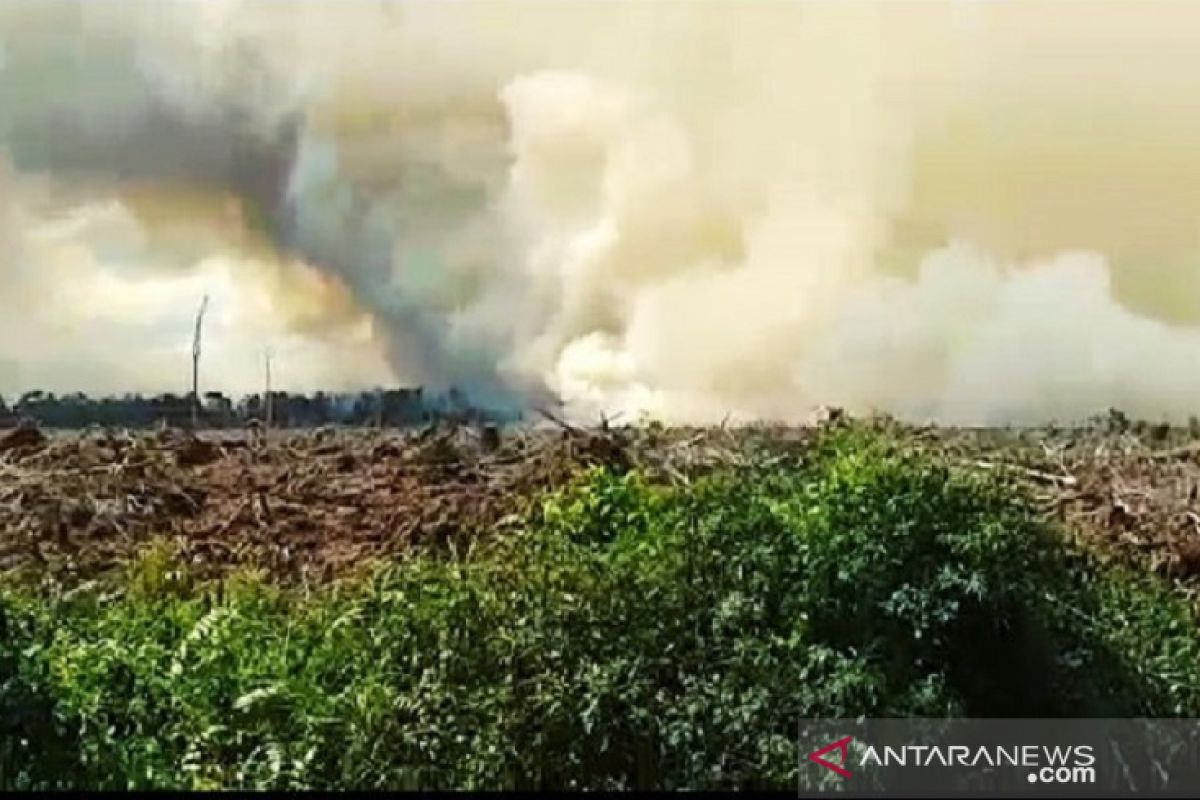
[[634, 636]]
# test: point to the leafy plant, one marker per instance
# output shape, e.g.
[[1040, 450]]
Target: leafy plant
[[633, 635]]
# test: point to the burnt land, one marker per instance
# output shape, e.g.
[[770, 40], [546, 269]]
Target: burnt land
[[318, 503]]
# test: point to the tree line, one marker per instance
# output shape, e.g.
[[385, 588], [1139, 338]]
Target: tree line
[[383, 407]]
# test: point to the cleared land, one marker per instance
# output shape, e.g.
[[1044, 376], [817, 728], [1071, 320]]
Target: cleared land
[[464, 607], [316, 504]]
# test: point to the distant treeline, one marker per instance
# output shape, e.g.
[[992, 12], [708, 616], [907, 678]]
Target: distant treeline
[[392, 407]]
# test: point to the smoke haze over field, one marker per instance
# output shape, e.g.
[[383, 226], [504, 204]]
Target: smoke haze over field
[[962, 210]]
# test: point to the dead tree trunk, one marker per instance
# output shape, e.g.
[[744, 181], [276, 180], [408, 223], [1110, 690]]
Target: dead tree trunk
[[268, 401], [196, 363]]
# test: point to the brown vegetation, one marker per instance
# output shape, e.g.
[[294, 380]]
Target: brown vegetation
[[323, 502], [313, 504]]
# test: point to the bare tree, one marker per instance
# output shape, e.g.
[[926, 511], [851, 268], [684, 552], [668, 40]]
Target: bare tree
[[267, 401], [196, 362]]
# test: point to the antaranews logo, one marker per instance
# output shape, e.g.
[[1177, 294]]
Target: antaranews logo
[[842, 746], [867, 757], [1070, 764]]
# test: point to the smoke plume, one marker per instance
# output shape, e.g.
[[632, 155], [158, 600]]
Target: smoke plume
[[967, 211]]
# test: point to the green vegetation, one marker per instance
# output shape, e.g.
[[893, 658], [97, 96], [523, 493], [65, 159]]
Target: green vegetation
[[634, 635]]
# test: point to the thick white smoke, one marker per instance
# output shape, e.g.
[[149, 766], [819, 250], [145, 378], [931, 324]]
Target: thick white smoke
[[973, 212]]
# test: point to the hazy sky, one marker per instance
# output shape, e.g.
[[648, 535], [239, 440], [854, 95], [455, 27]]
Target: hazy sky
[[974, 211]]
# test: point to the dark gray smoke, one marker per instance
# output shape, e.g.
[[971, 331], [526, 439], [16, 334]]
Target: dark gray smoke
[[115, 117]]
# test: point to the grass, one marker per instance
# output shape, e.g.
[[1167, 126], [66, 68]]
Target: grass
[[634, 635]]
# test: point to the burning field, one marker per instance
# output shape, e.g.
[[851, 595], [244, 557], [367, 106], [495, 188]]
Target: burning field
[[701, 218]]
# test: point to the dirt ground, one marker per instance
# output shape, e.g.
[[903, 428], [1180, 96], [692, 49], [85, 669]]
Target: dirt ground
[[321, 503], [314, 503]]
